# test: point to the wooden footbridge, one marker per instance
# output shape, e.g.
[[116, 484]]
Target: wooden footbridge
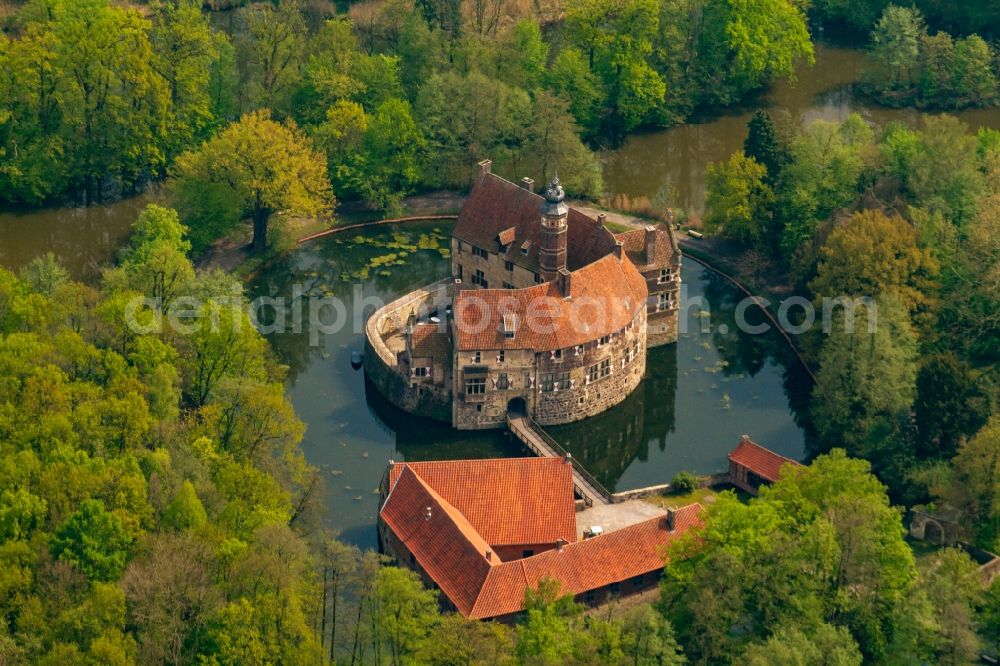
[[529, 433]]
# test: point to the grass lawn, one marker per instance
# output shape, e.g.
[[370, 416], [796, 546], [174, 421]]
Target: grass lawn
[[704, 496]]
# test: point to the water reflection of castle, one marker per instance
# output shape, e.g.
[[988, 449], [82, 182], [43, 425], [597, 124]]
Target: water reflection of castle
[[608, 444]]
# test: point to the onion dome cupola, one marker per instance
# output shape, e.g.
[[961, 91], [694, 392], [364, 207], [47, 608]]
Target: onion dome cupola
[[554, 205]]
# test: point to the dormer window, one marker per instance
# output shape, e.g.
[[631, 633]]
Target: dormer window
[[508, 325]]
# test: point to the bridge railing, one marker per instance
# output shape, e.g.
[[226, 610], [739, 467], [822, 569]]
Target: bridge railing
[[578, 467]]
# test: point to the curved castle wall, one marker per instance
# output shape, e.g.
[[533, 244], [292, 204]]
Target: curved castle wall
[[380, 361]]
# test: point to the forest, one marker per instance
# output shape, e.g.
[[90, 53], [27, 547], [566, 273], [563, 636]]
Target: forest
[[155, 505]]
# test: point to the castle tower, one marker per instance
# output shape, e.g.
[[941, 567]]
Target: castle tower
[[552, 254]]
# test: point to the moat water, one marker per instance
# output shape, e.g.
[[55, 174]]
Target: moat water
[[699, 396]]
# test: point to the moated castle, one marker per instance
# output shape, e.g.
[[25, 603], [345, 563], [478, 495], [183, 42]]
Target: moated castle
[[547, 312]]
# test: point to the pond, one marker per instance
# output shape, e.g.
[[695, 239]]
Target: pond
[[698, 398], [676, 158]]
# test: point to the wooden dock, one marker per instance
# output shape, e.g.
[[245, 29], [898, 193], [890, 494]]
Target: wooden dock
[[529, 433]]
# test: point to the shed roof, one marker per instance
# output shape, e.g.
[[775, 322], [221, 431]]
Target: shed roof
[[759, 460]]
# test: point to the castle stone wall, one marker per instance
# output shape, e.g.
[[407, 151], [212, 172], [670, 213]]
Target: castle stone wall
[[424, 399]]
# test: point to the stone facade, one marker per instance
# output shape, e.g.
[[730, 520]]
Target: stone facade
[[520, 247], [392, 375], [655, 253], [579, 382]]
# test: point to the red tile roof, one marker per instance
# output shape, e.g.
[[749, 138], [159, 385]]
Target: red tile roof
[[605, 296], [508, 501], [499, 213], [447, 547], [507, 236], [430, 342], [634, 244], [762, 462], [585, 565], [452, 552]]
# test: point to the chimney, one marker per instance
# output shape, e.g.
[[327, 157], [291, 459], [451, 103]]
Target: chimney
[[428, 514], [650, 243], [486, 166], [602, 219], [489, 555], [568, 457], [560, 542], [618, 249], [528, 184], [671, 519], [565, 278]]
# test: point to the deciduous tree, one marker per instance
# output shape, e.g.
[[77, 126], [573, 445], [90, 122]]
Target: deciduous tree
[[255, 167]]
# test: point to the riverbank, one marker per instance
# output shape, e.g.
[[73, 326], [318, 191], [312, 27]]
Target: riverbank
[[232, 252]]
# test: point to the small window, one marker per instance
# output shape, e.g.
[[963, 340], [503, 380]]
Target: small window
[[555, 381], [420, 372], [503, 382], [458, 273], [477, 357], [502, 356], [524, 249], [557, 354], [509, 265], [458, 246], [663, 301], [479, 278], [538, 278], [480, 252], [664, 276], [593, 373], [605, 367], [475, 386], [604, 339], [479, 407]]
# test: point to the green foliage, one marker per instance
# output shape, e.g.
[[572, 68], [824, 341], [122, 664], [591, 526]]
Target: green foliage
[[100, 96], [110, 491], [186, 510], [95, 541], [975, 488], [818, 553], [254, 167], [684, 482], [873, 255], [930, 71], [866, 379], [825, 644], [765, 146], [826, 165], [738, 199], [949, 406]]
